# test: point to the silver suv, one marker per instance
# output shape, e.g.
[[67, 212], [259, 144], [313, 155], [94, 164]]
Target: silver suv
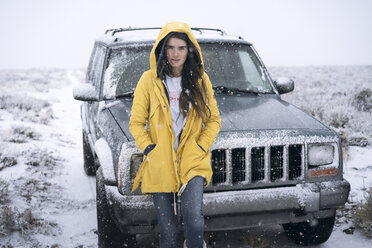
[[272, 163]]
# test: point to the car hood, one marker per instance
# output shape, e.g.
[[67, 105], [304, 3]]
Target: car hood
[[264, 112], [241, 113]]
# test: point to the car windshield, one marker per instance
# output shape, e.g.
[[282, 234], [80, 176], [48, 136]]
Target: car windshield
[[229, 66], [235, 66]]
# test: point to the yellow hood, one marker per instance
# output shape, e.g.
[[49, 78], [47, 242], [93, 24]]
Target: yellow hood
[[173, 27]]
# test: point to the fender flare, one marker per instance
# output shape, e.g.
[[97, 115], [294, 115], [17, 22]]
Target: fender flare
[[104, 156]]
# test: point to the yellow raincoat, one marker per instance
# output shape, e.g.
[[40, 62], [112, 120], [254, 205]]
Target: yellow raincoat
[[164, 169]]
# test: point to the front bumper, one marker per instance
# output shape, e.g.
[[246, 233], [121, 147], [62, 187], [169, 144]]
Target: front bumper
[[238, 209]]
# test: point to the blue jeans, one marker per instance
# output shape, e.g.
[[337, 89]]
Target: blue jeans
[[192, 214]]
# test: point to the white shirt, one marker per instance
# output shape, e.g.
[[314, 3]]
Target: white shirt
[[174, 88]]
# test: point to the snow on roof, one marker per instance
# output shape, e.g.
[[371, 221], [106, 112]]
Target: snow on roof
[[150, 35], [137, 35]]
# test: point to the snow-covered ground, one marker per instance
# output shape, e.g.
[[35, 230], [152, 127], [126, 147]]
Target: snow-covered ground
[[46, 200], [60, 196]]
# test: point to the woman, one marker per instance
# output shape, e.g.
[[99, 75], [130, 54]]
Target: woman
[[174, 121]]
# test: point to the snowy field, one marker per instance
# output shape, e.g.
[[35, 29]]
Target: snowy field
[[46, 200]]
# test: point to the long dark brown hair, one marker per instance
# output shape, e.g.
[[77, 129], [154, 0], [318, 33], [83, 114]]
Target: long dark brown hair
[[192, 92]]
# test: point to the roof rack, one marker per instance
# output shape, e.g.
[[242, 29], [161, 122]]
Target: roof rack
[[118, 30], [210, 29]]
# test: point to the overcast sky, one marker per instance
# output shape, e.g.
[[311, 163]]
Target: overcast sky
[[60, 33]]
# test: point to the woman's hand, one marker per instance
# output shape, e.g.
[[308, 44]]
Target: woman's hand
[[148, 149]]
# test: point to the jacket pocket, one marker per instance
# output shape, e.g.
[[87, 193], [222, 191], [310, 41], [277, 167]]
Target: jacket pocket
[[197, 148], [201, 147], [155, 169]]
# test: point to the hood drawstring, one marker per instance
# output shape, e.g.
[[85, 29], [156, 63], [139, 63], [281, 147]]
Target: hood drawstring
[[174, 204], [182, 189], [179, 195]]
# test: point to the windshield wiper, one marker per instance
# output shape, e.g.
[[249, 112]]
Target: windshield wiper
[[125, 95], [231, 90]]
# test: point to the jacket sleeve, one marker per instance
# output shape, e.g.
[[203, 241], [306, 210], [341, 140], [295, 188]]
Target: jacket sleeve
[[213, 125], [140, 113]]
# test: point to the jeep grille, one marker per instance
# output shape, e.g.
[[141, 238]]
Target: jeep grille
[[257, 164]]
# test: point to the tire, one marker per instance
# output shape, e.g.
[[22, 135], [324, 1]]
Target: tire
[[89, 161], [109, 235], [304, 234]]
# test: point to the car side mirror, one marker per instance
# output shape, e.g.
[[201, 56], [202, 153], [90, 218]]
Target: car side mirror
[[284, 85], [85, 92]]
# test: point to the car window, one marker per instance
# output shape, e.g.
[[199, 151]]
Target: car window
[[230, 65], [96, 66], [91, 65], [124, 69], [235, 66]]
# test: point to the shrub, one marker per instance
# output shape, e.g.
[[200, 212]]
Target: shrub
[[326, 93], [27, 108], [363, 100], [15, 220], [362, 216], [7, 161], [4, 189], [8, 221], [338, 120], [43, 117], [41, 157], [20, 134], [32, 186], [10, 102], [358, 141]]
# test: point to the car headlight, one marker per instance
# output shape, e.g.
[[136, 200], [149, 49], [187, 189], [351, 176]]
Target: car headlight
[[130, 160], [320, 154], [323, 160]]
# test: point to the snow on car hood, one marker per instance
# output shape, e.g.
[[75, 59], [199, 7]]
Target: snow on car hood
[[241, 113], [267, 112]]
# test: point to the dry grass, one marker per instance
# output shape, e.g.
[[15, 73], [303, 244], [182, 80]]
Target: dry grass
[[362, 215], [27, 103], [41, 157], [7, 161], [21, 134], [326, 93], [15, 220], [11, 220], [27, 108], [33, 186], [4, 189], [363, 100]]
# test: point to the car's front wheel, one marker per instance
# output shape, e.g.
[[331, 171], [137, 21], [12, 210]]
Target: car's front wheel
[[305, 234], [109, 234]]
